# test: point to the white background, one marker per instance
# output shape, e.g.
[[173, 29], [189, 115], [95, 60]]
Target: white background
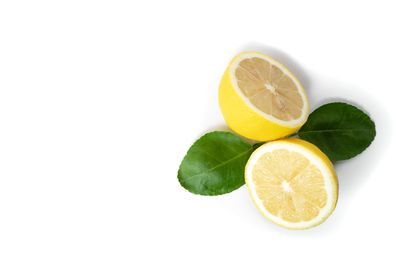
[[100, 100]]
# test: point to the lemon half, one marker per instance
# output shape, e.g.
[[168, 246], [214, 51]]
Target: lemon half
[[292, 183], [261, 99]]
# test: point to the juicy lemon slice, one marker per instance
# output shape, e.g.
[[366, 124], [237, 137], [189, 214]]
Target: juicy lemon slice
[[261, 99], [292, 183]]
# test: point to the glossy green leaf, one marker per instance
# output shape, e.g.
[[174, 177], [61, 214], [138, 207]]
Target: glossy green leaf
[[214, 164], [340, 130]]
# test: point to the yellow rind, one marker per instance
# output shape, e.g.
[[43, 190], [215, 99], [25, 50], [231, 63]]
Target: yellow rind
[[245, 119], [318, 153]]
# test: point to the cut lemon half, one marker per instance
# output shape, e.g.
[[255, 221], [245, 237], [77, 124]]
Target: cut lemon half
[[292, 183], [261, 99]]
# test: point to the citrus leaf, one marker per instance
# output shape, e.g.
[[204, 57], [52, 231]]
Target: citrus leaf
[[340, 130], [214, 164]]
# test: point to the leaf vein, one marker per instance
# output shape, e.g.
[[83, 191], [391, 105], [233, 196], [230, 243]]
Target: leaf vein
[[221, 164]]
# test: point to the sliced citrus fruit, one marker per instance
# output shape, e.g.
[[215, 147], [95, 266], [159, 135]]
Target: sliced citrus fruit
[[261, 99], [292, 183]]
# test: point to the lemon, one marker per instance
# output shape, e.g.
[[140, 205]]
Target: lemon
[[292, 183], [260, 99]]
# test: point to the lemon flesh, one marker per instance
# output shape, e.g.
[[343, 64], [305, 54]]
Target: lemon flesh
[[260, 99], [292, 183]]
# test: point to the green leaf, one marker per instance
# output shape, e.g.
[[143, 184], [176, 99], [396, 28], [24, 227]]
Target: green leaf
[[214, 164], [340, 130]]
